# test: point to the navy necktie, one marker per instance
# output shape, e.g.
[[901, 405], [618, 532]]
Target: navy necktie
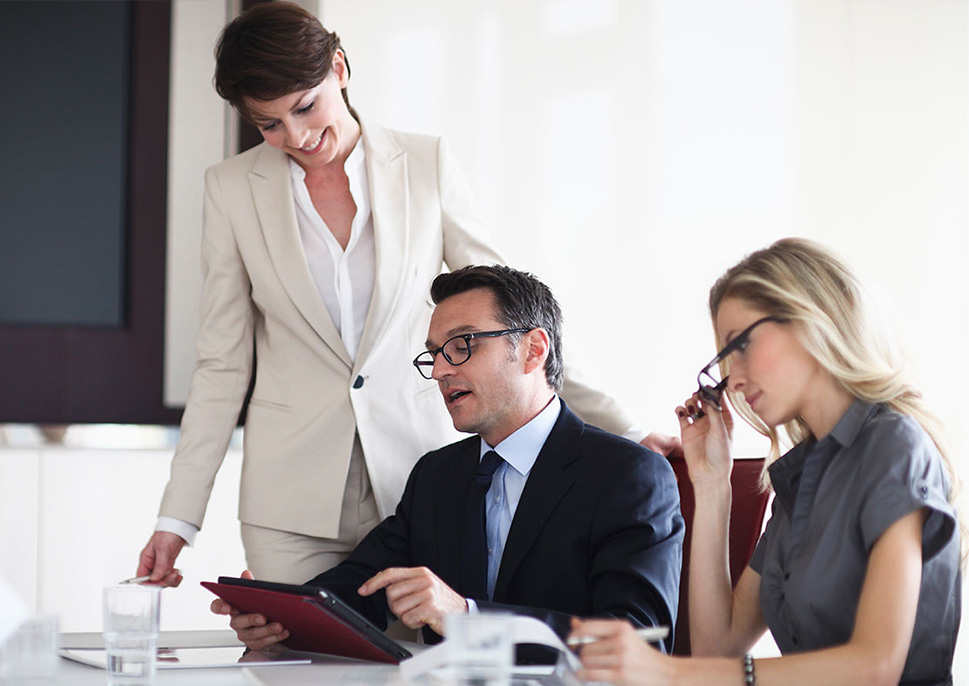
[[474, 547]]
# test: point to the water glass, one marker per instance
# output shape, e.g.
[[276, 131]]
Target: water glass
[[480, 649], [29, 655], [131, 634]]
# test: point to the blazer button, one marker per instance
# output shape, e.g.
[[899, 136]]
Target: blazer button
[[358, 382]]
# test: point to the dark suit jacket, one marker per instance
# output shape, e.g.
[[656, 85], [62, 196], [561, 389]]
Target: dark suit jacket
[[598, 531]]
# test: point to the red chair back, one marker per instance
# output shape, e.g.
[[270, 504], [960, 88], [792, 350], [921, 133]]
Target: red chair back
[[748, 505]]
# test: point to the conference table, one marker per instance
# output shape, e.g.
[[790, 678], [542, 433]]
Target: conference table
[[322, 669], [315, 670]]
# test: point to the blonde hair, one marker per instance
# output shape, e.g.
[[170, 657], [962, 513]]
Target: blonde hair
[[801, 282]]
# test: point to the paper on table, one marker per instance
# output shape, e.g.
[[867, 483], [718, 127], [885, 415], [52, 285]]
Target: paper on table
[[186, 658], [14, 611], [524, 630]]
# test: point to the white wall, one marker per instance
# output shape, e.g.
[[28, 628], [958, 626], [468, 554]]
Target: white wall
[[200, 134]]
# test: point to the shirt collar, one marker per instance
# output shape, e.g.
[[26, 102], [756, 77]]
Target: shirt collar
[[356, 159], [521, 449], [786, 472], [849, 426], [354, 166]]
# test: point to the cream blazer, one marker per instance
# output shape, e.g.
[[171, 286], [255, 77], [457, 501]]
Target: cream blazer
[[261, 311]]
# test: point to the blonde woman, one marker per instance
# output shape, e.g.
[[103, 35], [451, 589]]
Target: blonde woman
[[857, 575]]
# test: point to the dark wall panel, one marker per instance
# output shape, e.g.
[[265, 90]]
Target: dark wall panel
[[63, 142], [64, 374]]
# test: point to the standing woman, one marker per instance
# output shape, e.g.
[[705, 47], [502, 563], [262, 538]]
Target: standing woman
[[318, 249], [857, 574]]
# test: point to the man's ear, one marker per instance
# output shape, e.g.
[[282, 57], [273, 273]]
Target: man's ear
[[536, 348]]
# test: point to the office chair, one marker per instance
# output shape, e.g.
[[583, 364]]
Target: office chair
[[748, 504]]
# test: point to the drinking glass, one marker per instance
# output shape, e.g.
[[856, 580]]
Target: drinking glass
[[131, 634]]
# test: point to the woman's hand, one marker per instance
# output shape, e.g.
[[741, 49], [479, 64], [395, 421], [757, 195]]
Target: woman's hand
[[706, 433], [158, 559], [619, 656]]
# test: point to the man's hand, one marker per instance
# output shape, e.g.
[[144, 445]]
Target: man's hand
[[663, 444], [251, 629], [158, 559], [416, 595]]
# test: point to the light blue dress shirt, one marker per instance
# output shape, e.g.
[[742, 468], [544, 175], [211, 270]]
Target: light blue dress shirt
[[519, 452]]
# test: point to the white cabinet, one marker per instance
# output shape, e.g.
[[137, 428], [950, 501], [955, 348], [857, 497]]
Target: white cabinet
[[19, 517], [73, 521]]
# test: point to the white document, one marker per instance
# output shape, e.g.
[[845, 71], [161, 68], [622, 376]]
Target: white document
[[13, 611], [184, 658], [524, 630]]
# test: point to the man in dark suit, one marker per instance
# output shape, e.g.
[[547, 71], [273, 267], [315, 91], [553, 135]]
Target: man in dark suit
[[564, 520]]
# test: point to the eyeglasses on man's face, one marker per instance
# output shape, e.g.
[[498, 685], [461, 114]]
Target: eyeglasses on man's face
[[456, 350], [711, 385]]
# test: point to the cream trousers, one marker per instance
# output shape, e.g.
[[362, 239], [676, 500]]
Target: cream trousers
[[291, 558]]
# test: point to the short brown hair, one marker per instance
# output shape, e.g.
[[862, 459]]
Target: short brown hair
[[522, 301], [272, 50]]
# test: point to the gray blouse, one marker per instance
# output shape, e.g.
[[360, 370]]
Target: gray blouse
[[833, 499]]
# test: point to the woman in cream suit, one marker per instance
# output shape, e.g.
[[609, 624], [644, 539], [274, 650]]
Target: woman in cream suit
[[318, 249]]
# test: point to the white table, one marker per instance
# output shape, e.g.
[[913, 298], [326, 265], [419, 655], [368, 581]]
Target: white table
[[323, 670]]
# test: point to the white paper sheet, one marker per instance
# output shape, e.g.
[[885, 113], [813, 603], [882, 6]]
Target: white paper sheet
[[184, 658], [524, 630]]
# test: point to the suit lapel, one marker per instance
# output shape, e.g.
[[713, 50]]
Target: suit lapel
[[453, 510], [547, 484], [390, 208], [272, 192]]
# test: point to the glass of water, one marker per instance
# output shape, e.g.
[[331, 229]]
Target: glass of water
[[29, 656], [480, 650], [131, 634]]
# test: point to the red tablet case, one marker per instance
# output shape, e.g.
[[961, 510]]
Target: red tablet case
[[312, 626]]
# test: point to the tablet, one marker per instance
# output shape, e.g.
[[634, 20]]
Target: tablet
[[317, 620]]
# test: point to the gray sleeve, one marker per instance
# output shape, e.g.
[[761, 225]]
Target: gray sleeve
[[902, 472]]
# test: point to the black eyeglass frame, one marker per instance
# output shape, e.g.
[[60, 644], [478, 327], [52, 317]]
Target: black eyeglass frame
[[467, 337], [713, 393]]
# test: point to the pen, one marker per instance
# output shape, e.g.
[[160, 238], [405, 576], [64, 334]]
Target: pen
[[650, 634], [135, 580]]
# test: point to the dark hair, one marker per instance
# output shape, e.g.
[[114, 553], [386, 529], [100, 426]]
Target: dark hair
[[272, 50], [522, 300]]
